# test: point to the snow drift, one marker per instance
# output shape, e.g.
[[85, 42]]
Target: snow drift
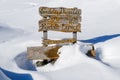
[[9, 33], [99, 20], [110, 49]]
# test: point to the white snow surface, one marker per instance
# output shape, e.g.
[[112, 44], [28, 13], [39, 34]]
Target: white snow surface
[[100, 25]]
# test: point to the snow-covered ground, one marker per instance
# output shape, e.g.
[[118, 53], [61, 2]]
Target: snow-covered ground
[[100, 26]]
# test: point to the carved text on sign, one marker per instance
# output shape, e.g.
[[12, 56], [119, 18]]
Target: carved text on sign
[[59, 41], [62, 28], [45, 11], [60, 19]]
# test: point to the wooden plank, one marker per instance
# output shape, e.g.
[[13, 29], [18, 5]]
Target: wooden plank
[[59, 41], [45, 36], [52, 15], [60, 27], [41, 53], [75, 35], [45, 11], [61, 20]]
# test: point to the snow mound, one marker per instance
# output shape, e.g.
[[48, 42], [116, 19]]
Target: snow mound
[[74, 64], [110, 49], [23, 62], [9, 33], [69, 55]]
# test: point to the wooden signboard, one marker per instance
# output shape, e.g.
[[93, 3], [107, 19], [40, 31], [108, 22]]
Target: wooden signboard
[[55, 19], [60, 27], [61, 20], [59, 41], [65, 16], [45, 11], [41, 53]]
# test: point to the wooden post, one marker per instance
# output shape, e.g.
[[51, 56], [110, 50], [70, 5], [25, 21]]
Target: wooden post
[[45, 37], [75, 36]]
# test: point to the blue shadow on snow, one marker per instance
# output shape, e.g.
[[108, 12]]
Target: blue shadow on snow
[[16, 76], [23, 62], [100, 39]]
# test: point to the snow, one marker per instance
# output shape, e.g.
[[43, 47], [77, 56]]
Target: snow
[[66, 58], [100, 26], [16, 76], [110, 49], [3, 76], [9, 33]]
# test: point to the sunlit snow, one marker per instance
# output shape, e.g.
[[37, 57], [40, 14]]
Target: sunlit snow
[[100, 26]]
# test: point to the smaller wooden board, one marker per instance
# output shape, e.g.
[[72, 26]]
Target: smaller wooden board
[[58, 41], [41, 53]]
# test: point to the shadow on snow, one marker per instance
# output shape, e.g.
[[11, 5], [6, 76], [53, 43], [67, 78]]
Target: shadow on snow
[[23, 62], [16, 76], [100, 39]]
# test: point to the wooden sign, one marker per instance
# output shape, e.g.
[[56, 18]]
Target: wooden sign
[[41, 53], [65, 16], [58, 41], [60, 27], [61, 20], [45, 11], [55, 19]]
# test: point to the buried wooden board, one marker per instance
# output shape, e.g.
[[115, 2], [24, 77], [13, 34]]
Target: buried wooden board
[[41, 53], [59, 41]]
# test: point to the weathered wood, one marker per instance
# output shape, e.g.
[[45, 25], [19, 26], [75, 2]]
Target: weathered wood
[[75, 35], [91, 52], [65, 16], [59, 41], [45, 11], [61, 20], [45, 37], [60, 27], [56, 19], [41, 53]]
